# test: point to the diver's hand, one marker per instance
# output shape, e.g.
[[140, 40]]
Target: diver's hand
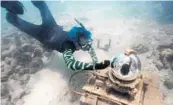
[[129, 51], [102, 65]]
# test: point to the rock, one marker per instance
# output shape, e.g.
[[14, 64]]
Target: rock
[[16, 88], [3, 63], [38, 53], [23, 71], [18, 68], [16, 54], [36, 43], [27, 48], [6, 53], [4, 77], [140, 48], [35, 65], [15, 76], [156, 61], [16, 63], [159, 65], [6, 73], [12, 47], [4, 47], [13, 84], [167, 53], [166, 57], [8, 60], [17, 94], [17, 40], [163, 57], [27, 90], [5, 41], [24, 79], [5, 101], [24, 39], [24, 59], [4, 91], [13, 63], [168, 83], [162, 47]]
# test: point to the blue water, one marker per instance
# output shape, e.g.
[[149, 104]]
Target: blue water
[[161, 11]]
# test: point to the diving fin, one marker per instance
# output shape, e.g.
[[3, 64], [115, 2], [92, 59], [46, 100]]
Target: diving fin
[[14, 7]]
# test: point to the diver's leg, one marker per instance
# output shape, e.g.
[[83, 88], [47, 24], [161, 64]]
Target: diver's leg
[[28, 28], [47, 18]]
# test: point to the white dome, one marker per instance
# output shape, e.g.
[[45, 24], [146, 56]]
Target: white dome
[[131, 60]]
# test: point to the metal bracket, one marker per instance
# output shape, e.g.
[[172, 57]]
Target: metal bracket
[[106, 46]]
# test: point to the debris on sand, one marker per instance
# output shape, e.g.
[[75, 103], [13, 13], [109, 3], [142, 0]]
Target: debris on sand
[[140, 47], [163, 57], [168, 83]]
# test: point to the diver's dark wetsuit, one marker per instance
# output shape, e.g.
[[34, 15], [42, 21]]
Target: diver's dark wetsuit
[[52, 36], [48, 33]]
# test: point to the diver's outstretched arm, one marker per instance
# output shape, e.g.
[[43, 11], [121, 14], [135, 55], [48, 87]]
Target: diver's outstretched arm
[[77, 65]]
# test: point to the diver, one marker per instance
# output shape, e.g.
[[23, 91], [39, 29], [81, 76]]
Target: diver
[[52, 36]]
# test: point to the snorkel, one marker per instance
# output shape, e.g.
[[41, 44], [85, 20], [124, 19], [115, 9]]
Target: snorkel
[[79, 23]]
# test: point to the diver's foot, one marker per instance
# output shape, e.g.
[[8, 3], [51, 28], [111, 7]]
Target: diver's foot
[[14, 7]]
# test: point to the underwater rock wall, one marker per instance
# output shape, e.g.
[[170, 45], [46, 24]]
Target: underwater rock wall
[[21, 56]]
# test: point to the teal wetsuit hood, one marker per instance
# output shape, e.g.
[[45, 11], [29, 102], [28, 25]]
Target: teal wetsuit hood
[[73, 33], [76, 33]]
